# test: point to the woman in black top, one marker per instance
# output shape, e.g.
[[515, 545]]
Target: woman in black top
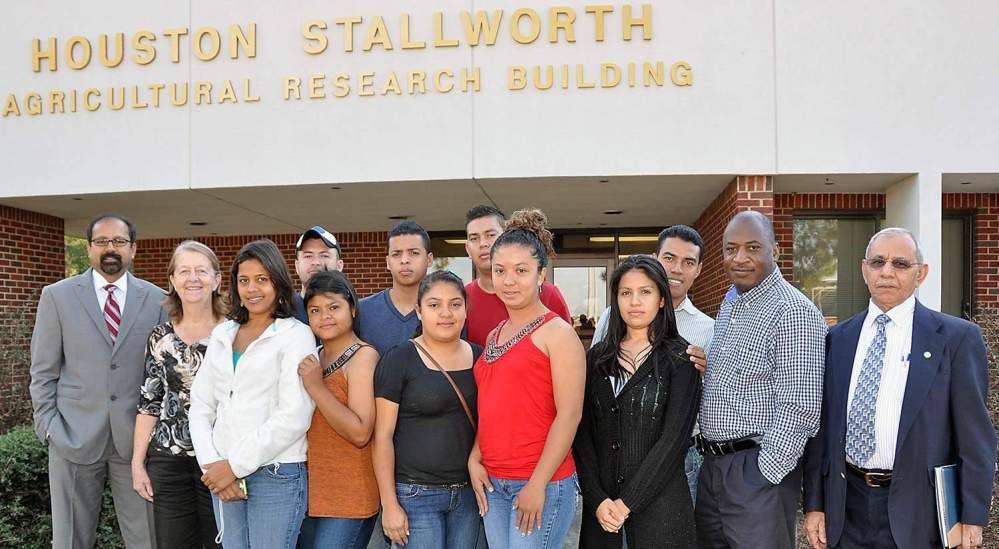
[[423, 430], [641, 400]]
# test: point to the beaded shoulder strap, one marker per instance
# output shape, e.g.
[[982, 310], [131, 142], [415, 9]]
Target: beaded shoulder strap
[[492, 352], [341, 360]]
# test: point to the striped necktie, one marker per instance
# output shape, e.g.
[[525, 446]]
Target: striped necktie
[[112, 313], [860, 436]]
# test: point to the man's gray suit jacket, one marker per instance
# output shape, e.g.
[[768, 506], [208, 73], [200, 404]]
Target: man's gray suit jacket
[[83, 387]]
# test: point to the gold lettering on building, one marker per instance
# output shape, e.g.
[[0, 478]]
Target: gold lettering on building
[[383, 34]]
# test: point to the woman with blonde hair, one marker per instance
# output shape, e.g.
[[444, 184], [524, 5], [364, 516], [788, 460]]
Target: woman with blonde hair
[[165, 470]]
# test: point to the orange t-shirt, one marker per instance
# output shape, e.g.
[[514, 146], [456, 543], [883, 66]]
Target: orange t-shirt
[[341, 477]]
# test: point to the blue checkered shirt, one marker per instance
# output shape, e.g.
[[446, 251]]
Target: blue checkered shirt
[[765, 369]]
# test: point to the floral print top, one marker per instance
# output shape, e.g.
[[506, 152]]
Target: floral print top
[[171, 366]]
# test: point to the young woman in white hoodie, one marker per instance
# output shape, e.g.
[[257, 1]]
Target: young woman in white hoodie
[[249, 410]]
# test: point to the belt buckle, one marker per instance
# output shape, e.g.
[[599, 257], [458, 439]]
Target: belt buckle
[[716, 448], [876, 480]]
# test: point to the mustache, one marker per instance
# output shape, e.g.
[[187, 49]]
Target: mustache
[[110, 255]]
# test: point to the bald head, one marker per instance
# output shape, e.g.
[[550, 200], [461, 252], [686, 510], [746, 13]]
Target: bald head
[[762, 222]]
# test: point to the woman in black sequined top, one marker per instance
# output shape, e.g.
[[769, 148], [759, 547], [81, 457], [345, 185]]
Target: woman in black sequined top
[[641, 401]]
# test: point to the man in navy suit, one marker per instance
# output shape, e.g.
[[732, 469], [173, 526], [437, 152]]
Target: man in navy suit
[[905, 390]]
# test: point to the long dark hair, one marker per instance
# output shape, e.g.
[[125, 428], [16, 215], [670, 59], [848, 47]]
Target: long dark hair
[[334, 282], [443, 277], [267, 253], [663, 335]]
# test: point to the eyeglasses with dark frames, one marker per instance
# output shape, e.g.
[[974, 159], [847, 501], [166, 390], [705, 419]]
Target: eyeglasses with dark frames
[[116, 242]]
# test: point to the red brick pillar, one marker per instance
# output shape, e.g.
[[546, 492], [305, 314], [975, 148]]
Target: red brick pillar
[[32, 255], [746, 192]]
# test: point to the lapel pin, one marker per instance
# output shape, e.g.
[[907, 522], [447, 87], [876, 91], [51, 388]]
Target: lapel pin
[[927, 354]]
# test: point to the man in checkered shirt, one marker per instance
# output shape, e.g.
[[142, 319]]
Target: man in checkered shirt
[[762, 397]]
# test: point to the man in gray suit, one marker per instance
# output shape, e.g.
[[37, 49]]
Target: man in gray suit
[[87, 356]]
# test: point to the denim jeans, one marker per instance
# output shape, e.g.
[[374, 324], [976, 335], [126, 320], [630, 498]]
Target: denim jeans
[[556, 516], [439, 517], [692, 466], [335, 533], [271, 516]]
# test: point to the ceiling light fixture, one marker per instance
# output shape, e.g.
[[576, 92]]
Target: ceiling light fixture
[[966, 182], [455, 241], [624, 238], [613, 212], [398, 217], [198, 223]]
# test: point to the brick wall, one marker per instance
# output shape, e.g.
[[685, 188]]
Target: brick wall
[[985, 251], [32, 255], [752, 192], [363, 257]]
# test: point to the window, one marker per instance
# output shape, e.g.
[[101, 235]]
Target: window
[[827, 258], [449, 254], [955, 270]]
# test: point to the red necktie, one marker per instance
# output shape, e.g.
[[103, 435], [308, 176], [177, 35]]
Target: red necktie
[[112, 313]]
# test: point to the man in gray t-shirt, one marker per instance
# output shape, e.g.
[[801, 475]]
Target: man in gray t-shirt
[[680, 251], [388, 318]]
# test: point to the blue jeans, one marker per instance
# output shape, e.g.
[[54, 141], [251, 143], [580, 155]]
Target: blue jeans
[[556, 516], [439, 517], [336, 533], [692, 466], [271, 516]]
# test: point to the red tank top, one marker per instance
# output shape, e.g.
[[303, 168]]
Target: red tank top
[[516, 405]]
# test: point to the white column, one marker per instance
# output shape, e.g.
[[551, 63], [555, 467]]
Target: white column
[[915, 203]]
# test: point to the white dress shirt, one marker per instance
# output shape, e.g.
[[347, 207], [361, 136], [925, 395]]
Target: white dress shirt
[[120, 290], [894, 374]]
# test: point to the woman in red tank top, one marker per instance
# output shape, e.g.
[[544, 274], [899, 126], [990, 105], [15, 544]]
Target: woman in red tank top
[[530, 380]]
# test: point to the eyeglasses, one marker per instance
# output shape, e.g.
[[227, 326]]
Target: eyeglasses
[[898, 264], [116, 242]]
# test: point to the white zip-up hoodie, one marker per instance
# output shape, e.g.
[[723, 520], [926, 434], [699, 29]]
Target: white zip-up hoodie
[[257, 413]]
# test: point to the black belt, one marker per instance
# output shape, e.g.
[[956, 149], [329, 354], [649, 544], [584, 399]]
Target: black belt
[[713, 448], [873, 478]]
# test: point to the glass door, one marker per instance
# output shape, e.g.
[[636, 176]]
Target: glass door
[[583, 283]]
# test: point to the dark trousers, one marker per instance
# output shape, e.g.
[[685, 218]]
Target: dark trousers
[[866, 525], [738, 508], [182, 504]]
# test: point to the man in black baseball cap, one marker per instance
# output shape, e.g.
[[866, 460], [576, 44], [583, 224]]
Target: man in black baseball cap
[[317, 250]]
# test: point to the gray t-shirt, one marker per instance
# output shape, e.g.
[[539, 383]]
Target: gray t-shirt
[[382, 325]]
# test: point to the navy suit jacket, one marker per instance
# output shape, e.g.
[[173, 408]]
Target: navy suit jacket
[[944, 420]]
